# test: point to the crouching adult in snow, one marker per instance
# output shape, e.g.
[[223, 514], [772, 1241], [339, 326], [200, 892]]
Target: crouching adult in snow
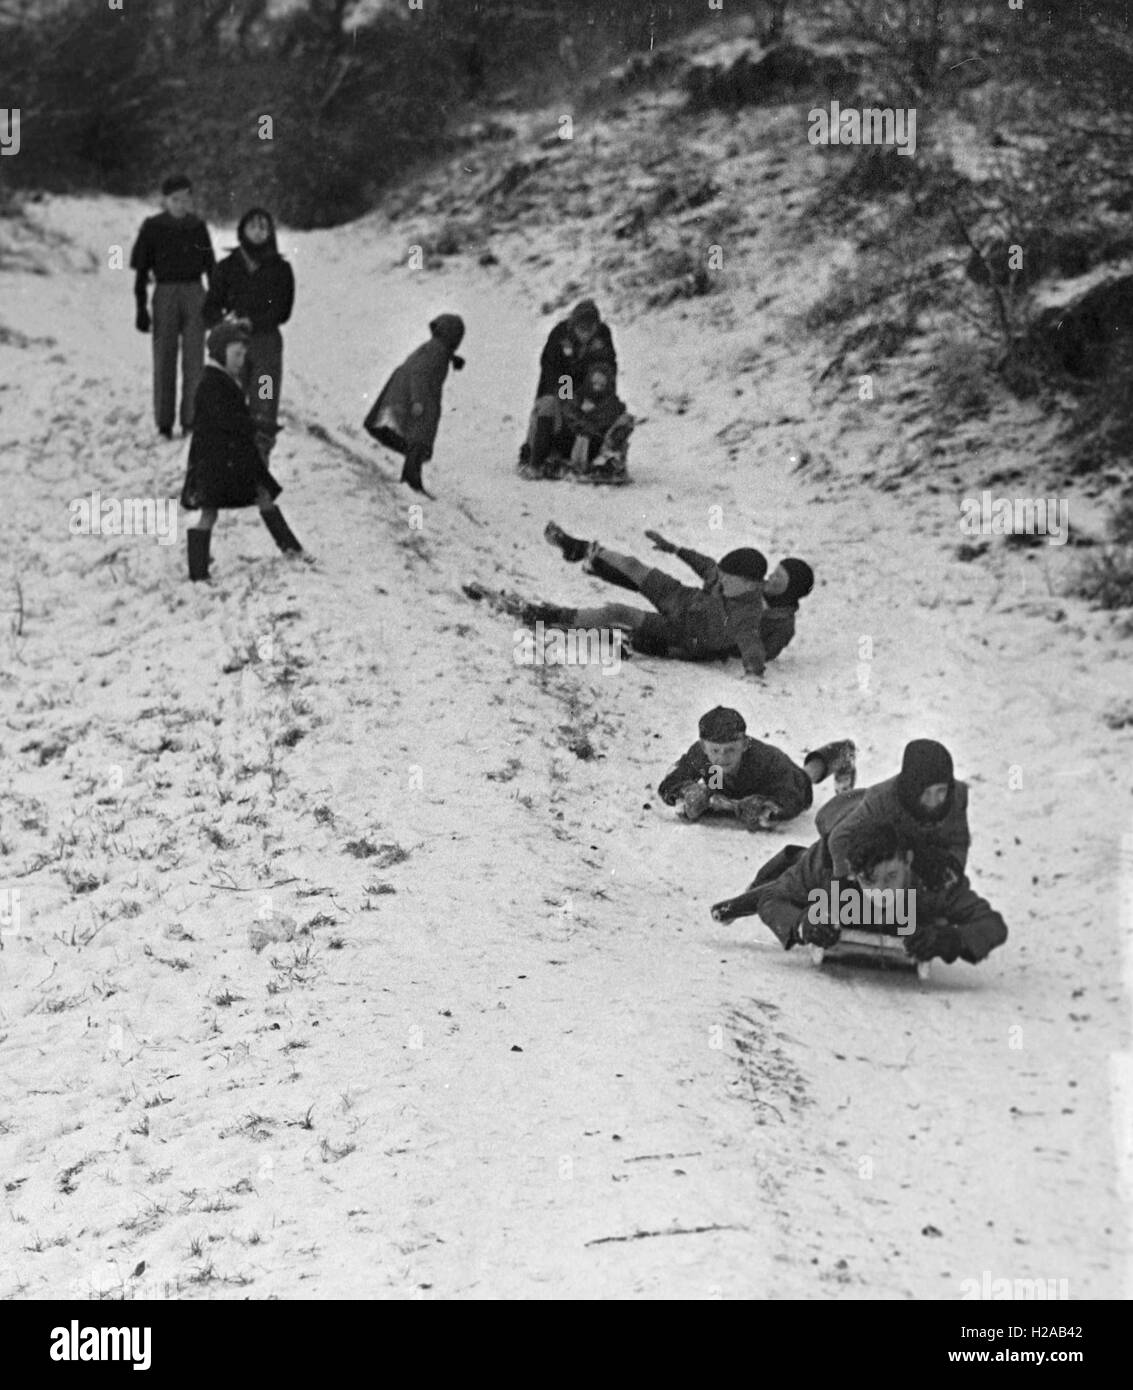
[[945, 918], [225, 466], [925, 801], [406, 415], [729, 773], [592, 439], [783, 589], [573, 347], [256, 284]]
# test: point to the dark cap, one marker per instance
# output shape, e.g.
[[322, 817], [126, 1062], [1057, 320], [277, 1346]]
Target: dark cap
[[800, 579], [174, 184], [744, 564], [722, 725]]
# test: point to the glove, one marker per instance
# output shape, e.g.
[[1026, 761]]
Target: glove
[[756, 812], [817, 933], [694, 800], [416, 409], [660, 543], [940, 939], [142, 320], [457, 363]]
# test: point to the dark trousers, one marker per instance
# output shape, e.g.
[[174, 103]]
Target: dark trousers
[[263, 376], [177, 324]]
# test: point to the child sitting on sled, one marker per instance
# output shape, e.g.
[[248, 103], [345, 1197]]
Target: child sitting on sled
[[590, 438], [729, 773]]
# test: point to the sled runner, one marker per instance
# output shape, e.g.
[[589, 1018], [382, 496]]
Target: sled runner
[[874, 945]]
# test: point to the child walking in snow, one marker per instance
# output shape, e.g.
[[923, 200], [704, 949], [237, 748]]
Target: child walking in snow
[[225, 466], [406, 415]]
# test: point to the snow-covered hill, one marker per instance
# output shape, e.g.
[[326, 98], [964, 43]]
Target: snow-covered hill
[[356, 960]]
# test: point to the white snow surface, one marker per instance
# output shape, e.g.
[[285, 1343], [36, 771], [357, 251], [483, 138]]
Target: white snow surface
[[521, 1061]]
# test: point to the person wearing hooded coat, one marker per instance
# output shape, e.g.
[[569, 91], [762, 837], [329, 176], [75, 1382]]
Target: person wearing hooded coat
[[925, 801], [226, 468], [407, 413], [256, 285]]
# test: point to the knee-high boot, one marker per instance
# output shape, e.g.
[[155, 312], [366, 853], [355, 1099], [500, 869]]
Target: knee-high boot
[[199, 539]]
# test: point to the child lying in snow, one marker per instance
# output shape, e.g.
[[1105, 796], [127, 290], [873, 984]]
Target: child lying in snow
[[783, 589], [726, 772], [689, 624]]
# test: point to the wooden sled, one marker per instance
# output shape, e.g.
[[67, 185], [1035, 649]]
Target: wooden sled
[[889, 950]]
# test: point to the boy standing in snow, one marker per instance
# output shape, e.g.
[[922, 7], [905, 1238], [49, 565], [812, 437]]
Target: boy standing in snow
[[255, 283], [406, 415], [225, 466], [950, 921], [925, 801], [174, 247], [726, 772]]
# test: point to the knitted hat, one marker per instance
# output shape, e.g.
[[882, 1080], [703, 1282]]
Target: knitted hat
[[174, 184], [925, 764], [722, 725], [800, 579], [220, 337], [585, 311], [744, 564]]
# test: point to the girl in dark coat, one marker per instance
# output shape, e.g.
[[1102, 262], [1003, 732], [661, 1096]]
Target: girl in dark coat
[[225, 466], [406, 415], [254, 283]]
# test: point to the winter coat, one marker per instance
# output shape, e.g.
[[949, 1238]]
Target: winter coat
[[708, 626], [408, 411], [264, 295], [225, 467], [174, 249], [564, 356], [776, 627], [844, 814], [783, 902], [764, 770]]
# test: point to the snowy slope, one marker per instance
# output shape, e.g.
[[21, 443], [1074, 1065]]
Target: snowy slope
[[496, 1046]]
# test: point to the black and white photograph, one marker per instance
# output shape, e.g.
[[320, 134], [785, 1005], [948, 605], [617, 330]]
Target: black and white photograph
[[566, 714]]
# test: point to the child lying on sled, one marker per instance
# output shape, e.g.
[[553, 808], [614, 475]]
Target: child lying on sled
[[792, 891], [728, 773]]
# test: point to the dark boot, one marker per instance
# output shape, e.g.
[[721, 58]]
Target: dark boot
[[573, 550], [549, 614], [541, 438], [281, 533], [839, 758], [411, 472], [199, 552]]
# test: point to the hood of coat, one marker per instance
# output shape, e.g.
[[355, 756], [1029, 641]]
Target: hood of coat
[[266, 250], [926, 763], [449, 328]]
